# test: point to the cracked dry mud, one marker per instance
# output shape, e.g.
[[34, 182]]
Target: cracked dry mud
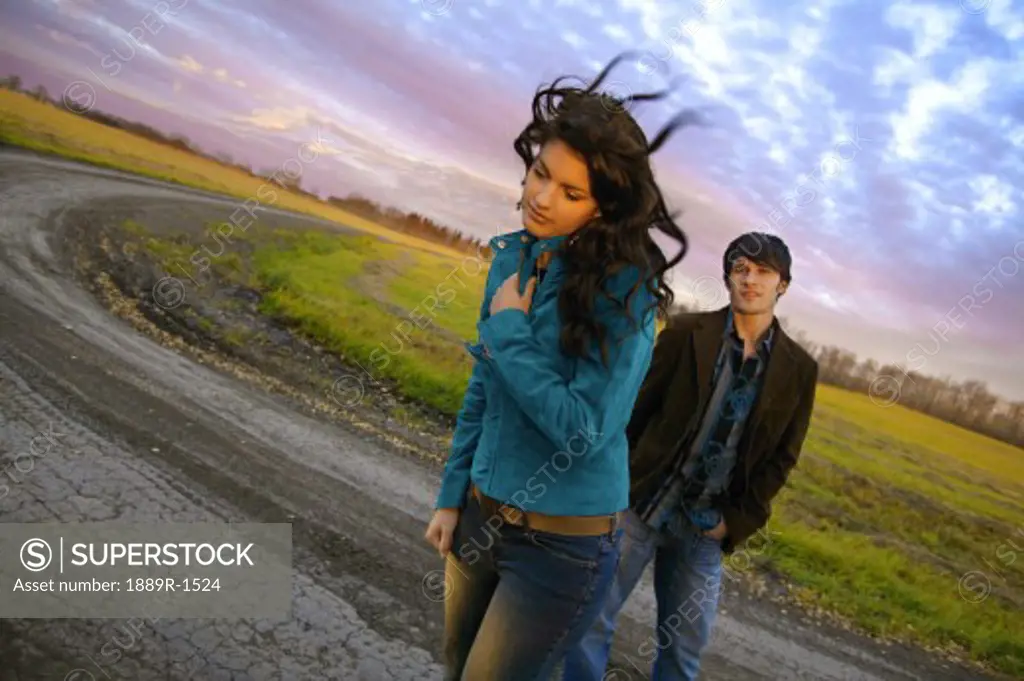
[[146, 432]]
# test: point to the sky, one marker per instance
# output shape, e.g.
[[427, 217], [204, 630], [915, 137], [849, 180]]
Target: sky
[[882, 140]]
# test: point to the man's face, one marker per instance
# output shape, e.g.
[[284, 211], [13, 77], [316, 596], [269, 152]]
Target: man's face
[[754, 288]]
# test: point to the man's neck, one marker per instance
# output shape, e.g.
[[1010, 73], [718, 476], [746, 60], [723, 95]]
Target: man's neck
[[750, 327]]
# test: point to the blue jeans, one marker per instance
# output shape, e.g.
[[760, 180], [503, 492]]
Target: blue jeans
[[518, 598], [687, 576]]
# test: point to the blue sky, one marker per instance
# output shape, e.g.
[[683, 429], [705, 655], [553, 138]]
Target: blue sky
[[883, 140]]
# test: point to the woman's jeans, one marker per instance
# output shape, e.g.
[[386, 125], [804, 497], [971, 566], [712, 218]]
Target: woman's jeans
[[518, 598]]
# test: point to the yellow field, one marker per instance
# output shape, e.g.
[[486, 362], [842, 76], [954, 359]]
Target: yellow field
[[42, 127]]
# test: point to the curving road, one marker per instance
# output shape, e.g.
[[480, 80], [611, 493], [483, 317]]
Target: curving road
[[139, 432]]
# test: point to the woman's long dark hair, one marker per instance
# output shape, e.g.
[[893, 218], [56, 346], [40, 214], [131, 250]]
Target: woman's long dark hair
[[599, 127]]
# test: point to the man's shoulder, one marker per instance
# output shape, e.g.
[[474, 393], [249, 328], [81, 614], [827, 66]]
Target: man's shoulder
[[804, 361], [688, 320]]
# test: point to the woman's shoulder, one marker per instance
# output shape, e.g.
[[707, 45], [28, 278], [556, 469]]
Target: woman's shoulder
[[505, 250], [508, 241], [626, 279], [628, 287]]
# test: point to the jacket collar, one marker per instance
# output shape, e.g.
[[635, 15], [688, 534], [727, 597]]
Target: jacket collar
[[531, 248], [764, 343], [708, 338], [515, 241]]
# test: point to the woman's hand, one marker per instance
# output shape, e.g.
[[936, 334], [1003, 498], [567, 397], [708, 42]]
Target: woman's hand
[[718, 532], [441, 529], [508, 296]]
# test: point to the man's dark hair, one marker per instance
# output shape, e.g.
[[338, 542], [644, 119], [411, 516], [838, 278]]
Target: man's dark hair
[[761, 248]]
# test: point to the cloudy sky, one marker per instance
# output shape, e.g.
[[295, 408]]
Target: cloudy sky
[[883, 140]]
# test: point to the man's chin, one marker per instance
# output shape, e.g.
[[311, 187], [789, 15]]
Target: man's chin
[[752, 306]]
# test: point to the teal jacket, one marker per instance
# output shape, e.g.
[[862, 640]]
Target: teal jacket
[[540, 429]]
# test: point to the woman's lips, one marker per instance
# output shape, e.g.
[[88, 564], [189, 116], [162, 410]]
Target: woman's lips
[[535, 216]]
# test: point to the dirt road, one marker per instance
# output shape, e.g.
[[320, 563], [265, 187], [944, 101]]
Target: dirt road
[[141, 432]]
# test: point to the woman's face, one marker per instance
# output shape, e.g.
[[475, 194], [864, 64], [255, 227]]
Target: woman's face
[[556, 196]]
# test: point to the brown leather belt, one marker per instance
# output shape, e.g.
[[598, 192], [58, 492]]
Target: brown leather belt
[[575, 525]]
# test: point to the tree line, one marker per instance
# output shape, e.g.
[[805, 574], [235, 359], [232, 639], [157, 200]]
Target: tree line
[[411, 223], [966, 403]]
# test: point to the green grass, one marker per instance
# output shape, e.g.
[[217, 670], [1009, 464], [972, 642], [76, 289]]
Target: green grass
[[311, 284], [310, 280], [889, 592], [447, 290], [888, 510]]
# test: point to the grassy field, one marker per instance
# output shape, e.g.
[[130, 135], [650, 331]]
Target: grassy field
[[901, 524], [400, 313], [909, 527]]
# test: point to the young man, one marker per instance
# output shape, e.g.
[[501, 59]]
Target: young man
[[715, 431]]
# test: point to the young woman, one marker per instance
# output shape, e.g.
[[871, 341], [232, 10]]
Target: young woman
[[527, 514]]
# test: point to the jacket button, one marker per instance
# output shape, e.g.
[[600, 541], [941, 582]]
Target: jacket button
[[524, 238], [501, 243]]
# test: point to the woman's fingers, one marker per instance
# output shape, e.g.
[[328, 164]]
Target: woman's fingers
[[433, 534], [440, 537], [444, 543], [440, 532]]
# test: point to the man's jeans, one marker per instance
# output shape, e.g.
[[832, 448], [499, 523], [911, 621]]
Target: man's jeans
[[517, 598], [687, 576]]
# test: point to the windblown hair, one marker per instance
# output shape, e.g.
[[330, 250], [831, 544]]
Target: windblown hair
[[600, 127]]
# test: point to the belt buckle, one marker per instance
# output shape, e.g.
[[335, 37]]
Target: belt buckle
[[511, 514]]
